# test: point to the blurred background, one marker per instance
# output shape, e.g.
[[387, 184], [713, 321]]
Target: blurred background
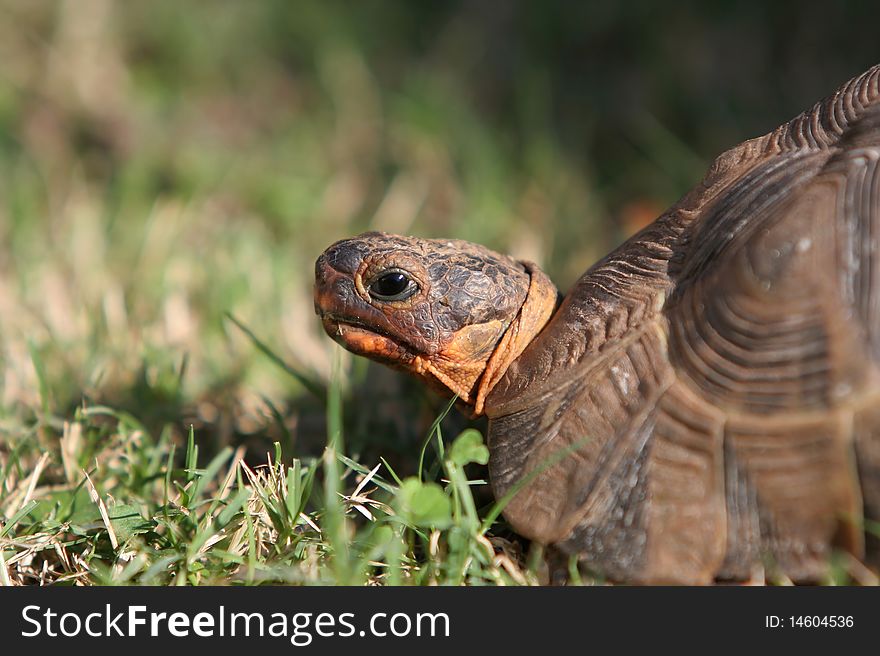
[[165, 163]]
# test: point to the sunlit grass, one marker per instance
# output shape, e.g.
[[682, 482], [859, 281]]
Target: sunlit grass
[[106, 503], [162, 200]]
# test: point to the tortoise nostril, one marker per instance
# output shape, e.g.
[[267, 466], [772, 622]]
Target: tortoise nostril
[[320, 265], [323, 273], [325, 276]]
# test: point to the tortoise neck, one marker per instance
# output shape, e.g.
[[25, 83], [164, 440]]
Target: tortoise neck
[[540, 304]]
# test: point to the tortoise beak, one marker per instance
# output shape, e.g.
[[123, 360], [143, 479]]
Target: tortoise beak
[[326, 280], [331, 289], [336, 301]]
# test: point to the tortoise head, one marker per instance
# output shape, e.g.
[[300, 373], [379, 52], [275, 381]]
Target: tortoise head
[[454, 313]]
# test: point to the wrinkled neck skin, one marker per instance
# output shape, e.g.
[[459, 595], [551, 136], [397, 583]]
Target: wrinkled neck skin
[[540, 304]]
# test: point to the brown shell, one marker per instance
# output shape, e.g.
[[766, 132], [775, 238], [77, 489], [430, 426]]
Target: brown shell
[[707, 398]]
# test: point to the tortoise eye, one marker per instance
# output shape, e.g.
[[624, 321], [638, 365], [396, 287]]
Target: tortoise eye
[[392, 286]]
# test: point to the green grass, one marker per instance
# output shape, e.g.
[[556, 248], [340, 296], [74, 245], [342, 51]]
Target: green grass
[[170, 409], [165, 187], [107, 504]]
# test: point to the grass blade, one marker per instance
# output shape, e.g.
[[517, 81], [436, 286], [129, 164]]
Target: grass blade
[[306, 381]]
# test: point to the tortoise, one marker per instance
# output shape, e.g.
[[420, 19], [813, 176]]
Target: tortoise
[[713, 384]]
